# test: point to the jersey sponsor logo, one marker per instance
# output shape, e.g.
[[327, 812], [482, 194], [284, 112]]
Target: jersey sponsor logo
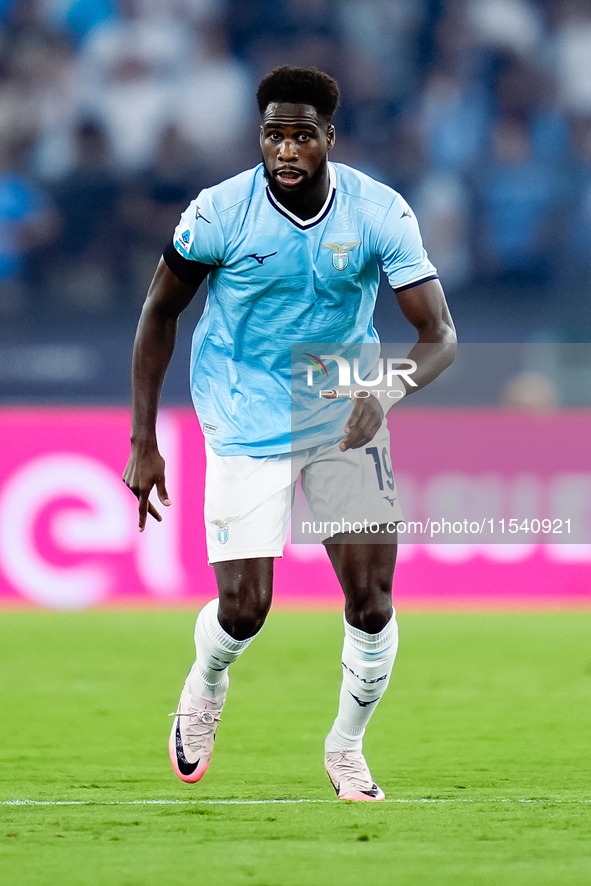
[[340, 255], [261, 258], [223, 531], [198, 214]]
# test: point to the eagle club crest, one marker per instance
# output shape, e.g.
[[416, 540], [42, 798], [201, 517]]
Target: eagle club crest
[[223, 531], [340, 254]]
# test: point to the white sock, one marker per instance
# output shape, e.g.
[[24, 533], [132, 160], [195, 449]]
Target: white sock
[[216, 650], [367, 664]]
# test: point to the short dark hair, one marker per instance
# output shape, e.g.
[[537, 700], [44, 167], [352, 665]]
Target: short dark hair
[[299, 86]]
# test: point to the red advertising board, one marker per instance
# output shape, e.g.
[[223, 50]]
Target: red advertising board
[[68, 525]]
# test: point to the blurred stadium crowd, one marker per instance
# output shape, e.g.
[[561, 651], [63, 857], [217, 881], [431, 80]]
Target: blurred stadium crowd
[[114, 113]]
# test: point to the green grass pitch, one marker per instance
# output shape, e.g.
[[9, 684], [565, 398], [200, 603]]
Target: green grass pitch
[[482, 745]]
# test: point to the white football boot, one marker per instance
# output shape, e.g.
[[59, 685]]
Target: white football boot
[[350, 776], [193, 734]]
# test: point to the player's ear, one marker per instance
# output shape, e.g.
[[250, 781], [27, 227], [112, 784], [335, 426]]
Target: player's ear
[[331, 136]]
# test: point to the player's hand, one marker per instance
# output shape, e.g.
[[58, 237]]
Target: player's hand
[[363, 423], [144, 470]]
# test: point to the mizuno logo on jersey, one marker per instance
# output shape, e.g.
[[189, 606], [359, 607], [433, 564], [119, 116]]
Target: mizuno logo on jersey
[[340, 255], [261, 258], [198, 215]]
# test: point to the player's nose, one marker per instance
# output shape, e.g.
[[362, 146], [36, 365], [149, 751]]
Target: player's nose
[[287, 150]]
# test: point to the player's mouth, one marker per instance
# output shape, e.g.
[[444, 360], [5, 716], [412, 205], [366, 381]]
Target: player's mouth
[[288, 176]]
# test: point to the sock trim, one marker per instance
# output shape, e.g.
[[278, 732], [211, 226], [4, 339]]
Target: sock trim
[[372, 642], [217, 633]]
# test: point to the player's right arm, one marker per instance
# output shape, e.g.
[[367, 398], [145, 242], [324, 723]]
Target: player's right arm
[[153, 347]]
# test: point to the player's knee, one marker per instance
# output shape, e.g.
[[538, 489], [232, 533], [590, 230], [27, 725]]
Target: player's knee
[[242, 612], [371, 610], [241, 627], [375, 620]]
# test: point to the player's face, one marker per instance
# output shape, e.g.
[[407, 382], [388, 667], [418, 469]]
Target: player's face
[[295, 140]]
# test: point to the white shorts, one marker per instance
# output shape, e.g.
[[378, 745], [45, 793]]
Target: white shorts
[[248, 500]]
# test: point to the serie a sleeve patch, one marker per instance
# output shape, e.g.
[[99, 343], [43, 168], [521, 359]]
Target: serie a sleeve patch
[[188, 271]]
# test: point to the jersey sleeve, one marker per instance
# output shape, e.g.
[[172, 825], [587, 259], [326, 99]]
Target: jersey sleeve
[[199, 236], [401, 249]]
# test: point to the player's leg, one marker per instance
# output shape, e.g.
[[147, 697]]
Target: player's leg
[[354, 489], [225, 628], [365, 572], [245, 590], [247, 509]]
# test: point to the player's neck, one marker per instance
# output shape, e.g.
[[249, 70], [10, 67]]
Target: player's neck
[[308, 203]]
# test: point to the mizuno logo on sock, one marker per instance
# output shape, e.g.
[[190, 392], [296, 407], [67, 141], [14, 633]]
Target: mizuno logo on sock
[[362, 704]]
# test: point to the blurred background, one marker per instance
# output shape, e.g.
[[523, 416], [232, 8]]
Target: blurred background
[[115, 113]]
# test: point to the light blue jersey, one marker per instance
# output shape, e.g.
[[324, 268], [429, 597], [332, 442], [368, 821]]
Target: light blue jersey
[[277, 281]]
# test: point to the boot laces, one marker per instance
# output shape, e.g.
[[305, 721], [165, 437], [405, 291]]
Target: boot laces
[[198, 727]]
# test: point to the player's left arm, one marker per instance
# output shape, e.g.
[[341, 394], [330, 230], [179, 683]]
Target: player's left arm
[[425, 307]]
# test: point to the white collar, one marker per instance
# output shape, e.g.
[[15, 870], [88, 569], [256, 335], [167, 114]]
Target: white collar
[[307, 223]]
